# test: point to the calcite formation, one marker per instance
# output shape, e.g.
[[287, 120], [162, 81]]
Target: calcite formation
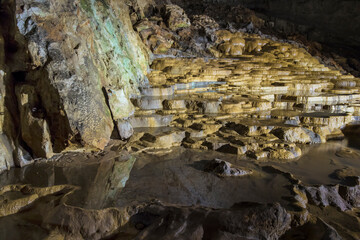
[[262, 98]]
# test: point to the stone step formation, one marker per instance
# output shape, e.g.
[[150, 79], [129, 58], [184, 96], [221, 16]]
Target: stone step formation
[[259, 98]]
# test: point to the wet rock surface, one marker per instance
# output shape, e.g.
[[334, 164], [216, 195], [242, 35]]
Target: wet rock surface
[[259, 97], [238, 135], [224, 169], [248, 221], [184, 199]]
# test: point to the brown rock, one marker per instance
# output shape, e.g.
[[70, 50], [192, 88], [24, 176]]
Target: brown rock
[[175, 17], [242, 221], [34, 128], [225, 169]]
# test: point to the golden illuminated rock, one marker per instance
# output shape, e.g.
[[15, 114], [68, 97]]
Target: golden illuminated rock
[[265, 101]]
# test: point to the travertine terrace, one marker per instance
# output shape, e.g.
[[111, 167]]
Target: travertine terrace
[[260, 98]]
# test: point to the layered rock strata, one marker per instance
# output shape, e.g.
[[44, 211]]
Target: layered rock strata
[[261, 98]]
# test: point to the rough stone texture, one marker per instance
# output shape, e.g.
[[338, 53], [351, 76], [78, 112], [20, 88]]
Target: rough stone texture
[[286, 153], [83, 47], [297, 135], [2, 98], [125, 129], [23, 157], [6, 157], [120, 104], [340, 196], [175, 17], [351, 194], [6, 147], [27, 195], [225, 169], [265, 101], [73, 55], [7, 123], [94, 224], [165, 139], [34, 128], [313, 230], [243, 221], [157, 39], [325, 196]]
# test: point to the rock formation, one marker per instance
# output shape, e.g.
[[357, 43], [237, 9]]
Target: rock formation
[[144, 119], [71, 65]]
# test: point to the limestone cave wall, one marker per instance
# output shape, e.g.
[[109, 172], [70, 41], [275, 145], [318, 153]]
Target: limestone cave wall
[[67, 70]]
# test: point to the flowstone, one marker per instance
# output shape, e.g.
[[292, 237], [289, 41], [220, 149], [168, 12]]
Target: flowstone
[[262, 98]]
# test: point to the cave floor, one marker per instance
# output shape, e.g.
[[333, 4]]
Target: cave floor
[[172, 178]]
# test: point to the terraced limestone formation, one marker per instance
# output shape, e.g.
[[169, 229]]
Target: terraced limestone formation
[[262, 98]]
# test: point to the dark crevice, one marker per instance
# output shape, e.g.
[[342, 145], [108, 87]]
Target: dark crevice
[[115, 133]]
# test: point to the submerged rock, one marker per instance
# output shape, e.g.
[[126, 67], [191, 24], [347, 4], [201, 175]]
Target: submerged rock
[[225, 169], [326, 196], [317, 229], [242, 221], [351, 194], [79, 223], [347, 153], [15, 198], [341, 196]]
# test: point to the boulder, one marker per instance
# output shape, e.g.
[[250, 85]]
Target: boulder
[[23, 157], [225, 169], [165, 139], [206, 25], [340, 196], [286, 153], [296, 135], [125, 129], [175, 17], [351, 194], [155, 37], [120, 104]]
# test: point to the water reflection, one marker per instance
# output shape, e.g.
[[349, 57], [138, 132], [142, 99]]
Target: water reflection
[[172, 178], [99, 182]]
